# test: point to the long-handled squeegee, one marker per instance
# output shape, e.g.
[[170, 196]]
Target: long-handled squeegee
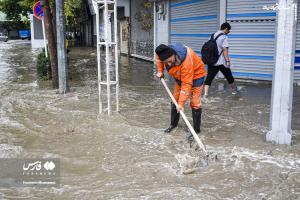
[[201, 145]]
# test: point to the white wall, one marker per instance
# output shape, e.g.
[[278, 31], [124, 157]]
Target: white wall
[[124, 3], [162, 26], [36, 28]]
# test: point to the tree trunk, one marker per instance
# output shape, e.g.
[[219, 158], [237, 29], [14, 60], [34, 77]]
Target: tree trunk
[[53, 15], [51, 44]]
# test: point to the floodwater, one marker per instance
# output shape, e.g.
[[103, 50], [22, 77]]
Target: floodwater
[[127, 156]]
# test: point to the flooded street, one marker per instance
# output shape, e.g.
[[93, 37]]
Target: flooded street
[[128, 156]]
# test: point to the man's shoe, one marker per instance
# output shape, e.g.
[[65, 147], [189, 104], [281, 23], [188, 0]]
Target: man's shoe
[[170, 129], [234, 92], [204, 98]]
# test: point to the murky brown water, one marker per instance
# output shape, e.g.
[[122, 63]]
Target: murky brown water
[[127, 156]]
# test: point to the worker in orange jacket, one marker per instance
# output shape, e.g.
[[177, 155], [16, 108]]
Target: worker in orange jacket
[[188, 70]]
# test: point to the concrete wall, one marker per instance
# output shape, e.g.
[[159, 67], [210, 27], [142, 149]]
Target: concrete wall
[[162, 24], [37, 39], [125, 4]]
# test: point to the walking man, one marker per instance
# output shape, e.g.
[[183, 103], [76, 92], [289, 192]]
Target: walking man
[[223, 62], [188, 70]]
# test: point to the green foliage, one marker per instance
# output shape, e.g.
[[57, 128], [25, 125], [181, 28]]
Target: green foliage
[[43, 66], [72, 8], [28, 4], [13, 9]]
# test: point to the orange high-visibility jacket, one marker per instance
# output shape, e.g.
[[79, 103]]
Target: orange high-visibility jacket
[[189, 74]]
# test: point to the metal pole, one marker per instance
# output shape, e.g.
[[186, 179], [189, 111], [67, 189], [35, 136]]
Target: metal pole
[[61, 48], [98, 57], [129, 30], [154, 31], [32, 28], [222, 12], [283, 75], [44, 36], [107, 46], [222, 19], [116, 55]]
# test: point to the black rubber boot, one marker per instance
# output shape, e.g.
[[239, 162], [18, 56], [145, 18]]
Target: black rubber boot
[[174, 118], [196, 122], [197, 119]]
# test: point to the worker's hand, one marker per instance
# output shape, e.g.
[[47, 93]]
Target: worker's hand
[[228, 64], [160, 75], [180, 108]]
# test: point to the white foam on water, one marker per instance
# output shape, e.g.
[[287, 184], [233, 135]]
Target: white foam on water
[[6, 121], [10, 151], [210, 100], [18, 193], [81, 62], [3, 71], [280, 161], [188, 164], [236, 158], [34, 84], [74, 97], [237, 154], [53, 109]]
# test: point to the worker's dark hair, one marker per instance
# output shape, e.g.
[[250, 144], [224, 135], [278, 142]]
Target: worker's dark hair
[[225, 25]]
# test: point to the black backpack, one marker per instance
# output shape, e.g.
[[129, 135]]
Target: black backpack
[[209, 52]]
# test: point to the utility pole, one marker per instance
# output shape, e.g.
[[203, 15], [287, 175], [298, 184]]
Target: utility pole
[[222, 11], [61, 48], [154, 32], [129, 31], [222, 19], [283, 75]]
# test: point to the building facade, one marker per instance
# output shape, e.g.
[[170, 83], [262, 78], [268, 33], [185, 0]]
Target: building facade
[[252, 38], [135, 27]]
